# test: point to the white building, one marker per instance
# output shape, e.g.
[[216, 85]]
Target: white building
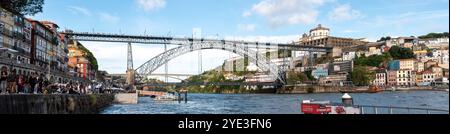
[[347, 56], [445, 60], [373, 51], [380, 78], [405, 77], [319, 32], [435, 43], [428, 76]]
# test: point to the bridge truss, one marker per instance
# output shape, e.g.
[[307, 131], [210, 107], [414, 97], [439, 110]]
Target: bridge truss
[[186, 45]]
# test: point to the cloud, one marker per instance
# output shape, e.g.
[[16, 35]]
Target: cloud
[[344, 13], [282, 12], [109, 18], [407, 18], [79, 10], [246, 14], [247, 27], [150, 5]]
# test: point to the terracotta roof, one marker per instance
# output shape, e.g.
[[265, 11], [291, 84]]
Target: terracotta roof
[[427, 72]]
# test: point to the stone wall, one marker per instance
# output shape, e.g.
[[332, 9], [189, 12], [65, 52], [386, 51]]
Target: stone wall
[[54, 104], [126, 98], [313, 89]]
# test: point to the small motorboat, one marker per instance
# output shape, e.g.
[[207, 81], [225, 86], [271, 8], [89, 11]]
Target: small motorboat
[[167, 97]]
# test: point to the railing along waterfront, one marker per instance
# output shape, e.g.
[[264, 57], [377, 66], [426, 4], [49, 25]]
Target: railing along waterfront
[[399, 110]]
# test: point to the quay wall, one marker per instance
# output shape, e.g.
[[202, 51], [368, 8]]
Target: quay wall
[[54, 104], [313, 89], [347, 89], [126, 98]]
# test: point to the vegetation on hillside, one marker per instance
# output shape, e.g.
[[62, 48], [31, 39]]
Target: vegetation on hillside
[[361, 76], [401, 53], [211, 76], [434, 35], [89, 56], [294, 77], [373, 60]]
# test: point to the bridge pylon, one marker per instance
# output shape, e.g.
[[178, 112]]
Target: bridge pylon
[[130, 81]]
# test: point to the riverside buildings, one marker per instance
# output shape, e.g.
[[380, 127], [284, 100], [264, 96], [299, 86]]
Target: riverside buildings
[[33, 47]]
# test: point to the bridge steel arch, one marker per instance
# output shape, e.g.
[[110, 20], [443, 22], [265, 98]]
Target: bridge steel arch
[[241, 49]]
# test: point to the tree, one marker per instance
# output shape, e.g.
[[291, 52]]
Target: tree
[[294, 77], [373, 60], [384, 39], [434, 35], [361, 76], [24, 7], [401, 53], [89, 56]]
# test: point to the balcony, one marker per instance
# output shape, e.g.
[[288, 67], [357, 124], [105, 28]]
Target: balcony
[[7, 32]]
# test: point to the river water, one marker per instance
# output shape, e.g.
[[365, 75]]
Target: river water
[[278, 103]]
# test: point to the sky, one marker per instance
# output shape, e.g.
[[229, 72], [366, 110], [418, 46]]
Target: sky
[[278, 21]]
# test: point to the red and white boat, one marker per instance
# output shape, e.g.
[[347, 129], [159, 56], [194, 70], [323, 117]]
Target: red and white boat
[[327, 107]]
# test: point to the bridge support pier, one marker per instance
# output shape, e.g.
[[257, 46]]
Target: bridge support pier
[[130, 71]]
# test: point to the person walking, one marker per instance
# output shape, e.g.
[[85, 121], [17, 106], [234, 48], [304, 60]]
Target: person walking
[[3, 81], [32, 82], [27, 86]]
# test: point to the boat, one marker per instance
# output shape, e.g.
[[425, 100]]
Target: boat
[[167, 97], [327, 107], [347, 107], [374, 89]]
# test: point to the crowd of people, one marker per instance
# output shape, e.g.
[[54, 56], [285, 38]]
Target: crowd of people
[[13, 83]]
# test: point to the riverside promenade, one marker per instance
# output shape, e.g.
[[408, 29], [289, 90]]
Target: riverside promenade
[[54, 103]]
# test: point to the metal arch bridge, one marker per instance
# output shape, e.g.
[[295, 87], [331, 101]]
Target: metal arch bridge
[[186, 45], [173, 76], [105, 37]]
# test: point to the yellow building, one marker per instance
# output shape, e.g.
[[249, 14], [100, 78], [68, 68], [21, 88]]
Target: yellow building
[[420, 52], [407, 64]]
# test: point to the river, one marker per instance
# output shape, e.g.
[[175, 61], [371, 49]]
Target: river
[[278, 103]]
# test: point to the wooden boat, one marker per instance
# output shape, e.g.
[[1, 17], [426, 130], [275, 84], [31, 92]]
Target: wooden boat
[[374, 89]]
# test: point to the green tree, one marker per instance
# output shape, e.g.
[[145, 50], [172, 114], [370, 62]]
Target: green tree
[[373, 60], [25, 7], [401, 53], [434, 35], [89, 56], [294, 77], [309, 75], [384, 39], [361, 76]]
